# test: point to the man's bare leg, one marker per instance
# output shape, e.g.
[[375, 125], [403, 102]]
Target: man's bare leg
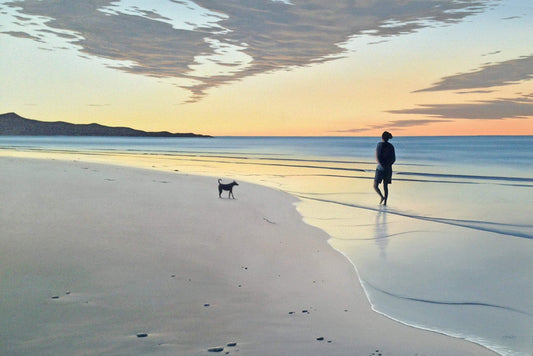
[[376, 188]]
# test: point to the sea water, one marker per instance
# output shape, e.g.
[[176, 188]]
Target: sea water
[[451, 252]]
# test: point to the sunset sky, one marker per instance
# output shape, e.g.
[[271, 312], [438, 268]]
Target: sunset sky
[[272, 67]]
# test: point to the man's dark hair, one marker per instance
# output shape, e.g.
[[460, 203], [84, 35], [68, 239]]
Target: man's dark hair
[[386, 136]]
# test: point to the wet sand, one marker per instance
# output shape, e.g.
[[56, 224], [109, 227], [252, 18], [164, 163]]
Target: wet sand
[[101, 259]]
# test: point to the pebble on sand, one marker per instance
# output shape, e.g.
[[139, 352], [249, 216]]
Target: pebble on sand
[[216, 349], [142, 335]]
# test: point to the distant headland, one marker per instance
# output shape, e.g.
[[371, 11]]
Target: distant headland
[[12, 124]]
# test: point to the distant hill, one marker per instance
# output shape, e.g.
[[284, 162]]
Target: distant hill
[[12, 124]]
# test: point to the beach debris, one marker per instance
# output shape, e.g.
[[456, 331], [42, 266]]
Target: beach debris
[[231, 344], [140, 335], [320, 338], [215, 349], [207, 305], [55, 297], [269, 221]]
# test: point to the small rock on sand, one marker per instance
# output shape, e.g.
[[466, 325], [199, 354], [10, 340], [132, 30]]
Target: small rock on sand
[[142, 335], [216, 349]]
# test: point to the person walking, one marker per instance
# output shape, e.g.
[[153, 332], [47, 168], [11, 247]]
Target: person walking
[[385, 157]]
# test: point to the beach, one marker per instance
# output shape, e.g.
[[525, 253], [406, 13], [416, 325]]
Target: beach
[[105, 259]]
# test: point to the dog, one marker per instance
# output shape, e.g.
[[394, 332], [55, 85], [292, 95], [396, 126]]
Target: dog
[[228, 187]]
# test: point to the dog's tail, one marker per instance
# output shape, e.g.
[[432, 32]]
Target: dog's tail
[[220, 181]]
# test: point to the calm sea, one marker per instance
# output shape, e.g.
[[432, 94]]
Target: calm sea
[[452, 250]]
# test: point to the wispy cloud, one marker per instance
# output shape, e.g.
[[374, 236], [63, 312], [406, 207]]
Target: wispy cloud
[[520, 107], [394, 124], [269, 35], [491, 75], [21, 34], [517, 108]]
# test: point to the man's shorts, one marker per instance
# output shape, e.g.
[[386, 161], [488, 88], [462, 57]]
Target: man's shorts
[[383, 174]]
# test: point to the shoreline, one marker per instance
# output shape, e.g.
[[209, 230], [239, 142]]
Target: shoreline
[[336, 302]]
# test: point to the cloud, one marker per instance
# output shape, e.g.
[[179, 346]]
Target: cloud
[[475, 92], [395, 124], [400, 124], [21, 34], [491, 75], [272, 35], [514, 108], [511, 17]]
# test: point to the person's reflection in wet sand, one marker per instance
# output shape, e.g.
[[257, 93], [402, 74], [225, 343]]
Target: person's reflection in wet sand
[[381, 234]]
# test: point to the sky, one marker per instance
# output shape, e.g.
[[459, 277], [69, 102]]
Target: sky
[[272, 67]]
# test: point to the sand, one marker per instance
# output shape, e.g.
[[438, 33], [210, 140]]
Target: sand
[[101, 259]]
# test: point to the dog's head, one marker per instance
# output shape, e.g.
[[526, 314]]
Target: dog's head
[[235, 183]]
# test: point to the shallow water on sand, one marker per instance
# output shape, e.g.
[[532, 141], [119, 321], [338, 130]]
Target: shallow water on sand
[[452, 250]]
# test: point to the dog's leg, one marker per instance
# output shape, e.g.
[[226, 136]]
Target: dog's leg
[[219, 191]]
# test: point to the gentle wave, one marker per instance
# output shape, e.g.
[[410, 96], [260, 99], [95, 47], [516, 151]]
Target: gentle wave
[[468, 177], [439, 302], [488, 226]]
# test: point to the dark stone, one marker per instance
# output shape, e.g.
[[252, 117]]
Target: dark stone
[[216, 349]]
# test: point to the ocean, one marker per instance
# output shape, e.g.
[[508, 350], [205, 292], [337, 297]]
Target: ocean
[[451, 252]]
